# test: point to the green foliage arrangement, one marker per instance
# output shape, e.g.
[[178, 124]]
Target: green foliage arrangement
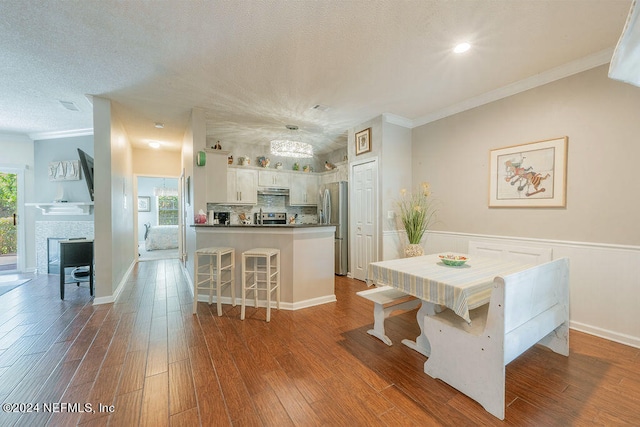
[[417, 212]]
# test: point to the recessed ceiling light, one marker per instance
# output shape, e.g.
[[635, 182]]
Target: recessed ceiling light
[[159, 125], [462, 47], [154, 144]]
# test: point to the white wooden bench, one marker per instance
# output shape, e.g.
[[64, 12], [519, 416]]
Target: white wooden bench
[[524, 254], [528, 307], [386, 299]]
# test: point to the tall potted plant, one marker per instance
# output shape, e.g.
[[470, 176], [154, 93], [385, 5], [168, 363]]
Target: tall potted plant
[[417, 213]]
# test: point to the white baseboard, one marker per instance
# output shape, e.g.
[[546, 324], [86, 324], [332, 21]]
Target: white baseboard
[[114, 296], [606, 334], [283, 305]]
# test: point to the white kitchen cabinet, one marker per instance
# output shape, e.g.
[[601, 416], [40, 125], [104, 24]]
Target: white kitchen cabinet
[[274, 179], [304, 190], [242, 186], [340, 173], [216, 177]]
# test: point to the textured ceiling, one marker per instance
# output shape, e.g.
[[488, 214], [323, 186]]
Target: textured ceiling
[[255, 66]]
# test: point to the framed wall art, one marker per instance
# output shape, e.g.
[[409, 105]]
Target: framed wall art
[[363, 141], [144, 204], [529, 175]]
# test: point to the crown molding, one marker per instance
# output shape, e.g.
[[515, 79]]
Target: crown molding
[[14, 137], [60, 134], [566, 70], [398, 120]]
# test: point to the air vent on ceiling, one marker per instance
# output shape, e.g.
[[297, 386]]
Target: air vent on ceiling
[[69, 105], [320, 107]]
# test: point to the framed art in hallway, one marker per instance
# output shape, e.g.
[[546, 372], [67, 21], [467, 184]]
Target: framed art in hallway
[[144, 203], [529, 175], [363, 141]]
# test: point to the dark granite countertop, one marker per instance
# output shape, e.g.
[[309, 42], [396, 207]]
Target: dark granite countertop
[[262, 226]]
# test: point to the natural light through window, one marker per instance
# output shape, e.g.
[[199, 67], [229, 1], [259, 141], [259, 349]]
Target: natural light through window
[[167, 210]]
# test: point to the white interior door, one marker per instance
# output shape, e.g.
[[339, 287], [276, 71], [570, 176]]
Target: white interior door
[[364, 202]]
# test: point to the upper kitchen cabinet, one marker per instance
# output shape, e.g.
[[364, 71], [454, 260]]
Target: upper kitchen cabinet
[[304, 190], [216, 167], [340, 173], [242, 186], [273, 179]]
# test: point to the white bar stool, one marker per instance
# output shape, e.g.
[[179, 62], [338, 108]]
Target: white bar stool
[[220, 265], [263, 274]]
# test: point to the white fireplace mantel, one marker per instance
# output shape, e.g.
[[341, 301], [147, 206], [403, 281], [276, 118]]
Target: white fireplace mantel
[[64, 208]]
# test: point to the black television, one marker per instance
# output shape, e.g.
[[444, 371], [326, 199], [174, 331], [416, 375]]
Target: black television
[[87, 168]]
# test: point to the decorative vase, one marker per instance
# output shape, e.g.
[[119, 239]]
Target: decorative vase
[[413, 250]]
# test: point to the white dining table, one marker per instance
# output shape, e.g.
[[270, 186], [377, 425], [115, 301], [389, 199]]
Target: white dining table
[[440, 286]]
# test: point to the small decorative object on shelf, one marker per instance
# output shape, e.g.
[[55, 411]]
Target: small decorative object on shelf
[[245, 161], [306, 168], [217, 146], [279, 165], [264, 162], [230, 160], [329, 166], [296, 167]]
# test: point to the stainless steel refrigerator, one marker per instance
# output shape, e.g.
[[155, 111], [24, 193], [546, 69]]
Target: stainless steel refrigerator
[[333, 209]]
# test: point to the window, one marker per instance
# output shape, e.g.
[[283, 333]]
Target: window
[[167, 210]]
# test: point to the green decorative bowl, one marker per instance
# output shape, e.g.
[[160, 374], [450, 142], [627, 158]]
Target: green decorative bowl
[[453, 260]]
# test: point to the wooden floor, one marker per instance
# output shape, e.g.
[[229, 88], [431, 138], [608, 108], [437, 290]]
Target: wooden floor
[[156, 364]]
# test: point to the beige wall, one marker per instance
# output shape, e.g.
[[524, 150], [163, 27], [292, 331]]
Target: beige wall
[[600, 117], [194, 140], [156, 162], [114, 219]]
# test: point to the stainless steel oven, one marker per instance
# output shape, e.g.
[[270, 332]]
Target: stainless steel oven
[[270, 218]]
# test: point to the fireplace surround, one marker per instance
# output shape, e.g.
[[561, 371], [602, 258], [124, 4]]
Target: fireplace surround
[[46, 230]]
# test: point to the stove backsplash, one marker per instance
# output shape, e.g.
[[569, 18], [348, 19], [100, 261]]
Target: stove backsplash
[[268, 203]]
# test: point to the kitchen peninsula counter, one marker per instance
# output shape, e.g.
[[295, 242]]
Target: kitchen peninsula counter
[[261, 225], [306, 258]]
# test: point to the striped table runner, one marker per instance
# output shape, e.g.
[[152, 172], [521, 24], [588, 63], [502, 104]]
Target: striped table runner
[[458, 288]]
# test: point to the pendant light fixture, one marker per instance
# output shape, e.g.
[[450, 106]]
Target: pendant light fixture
[[291, 146]]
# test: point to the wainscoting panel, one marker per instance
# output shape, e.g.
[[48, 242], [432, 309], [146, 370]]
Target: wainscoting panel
[[604, 280]]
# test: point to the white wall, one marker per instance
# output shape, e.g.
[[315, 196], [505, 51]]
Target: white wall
[[114, 219], [59, 149], [194, 140], [391, 146], [598, 228]]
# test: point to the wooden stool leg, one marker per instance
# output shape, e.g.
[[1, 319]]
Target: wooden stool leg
[[278, 280], [218, 283], [195, 286], [256, 280], [233, 279], [244, 286], [268, 286]]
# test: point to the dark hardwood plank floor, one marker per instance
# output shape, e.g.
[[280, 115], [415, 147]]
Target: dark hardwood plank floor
[[147, 360]]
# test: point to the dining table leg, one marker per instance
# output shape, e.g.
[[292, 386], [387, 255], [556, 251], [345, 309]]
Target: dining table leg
[[421, 343]]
